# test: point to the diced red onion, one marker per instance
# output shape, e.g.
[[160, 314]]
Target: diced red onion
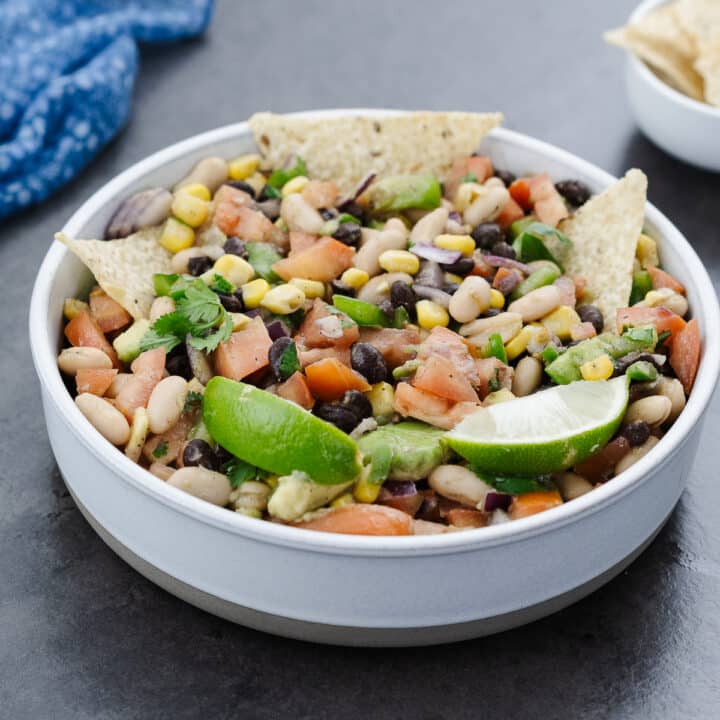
[[498, 261], [400, 488], [455, 217], [436, 254], [361, 188], [401, 495], [508, 283], [277, 329], [497, 501]]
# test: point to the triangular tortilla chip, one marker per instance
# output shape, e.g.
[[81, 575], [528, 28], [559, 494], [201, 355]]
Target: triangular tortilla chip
[[124, 268], [346, 149], [604, 232], [708, 65], [700, 18]]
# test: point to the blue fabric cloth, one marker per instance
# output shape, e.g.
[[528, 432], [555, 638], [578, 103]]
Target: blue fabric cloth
[[67, 69]]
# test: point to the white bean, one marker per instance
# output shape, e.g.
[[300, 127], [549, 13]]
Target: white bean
[[73, 359], [672, 389], [676, 303], [537, 303], [487, 206], [425, 527], [653, 410], [214, 487], [507, 325], [162, 305], [460, 484], [471, 299], [251, 495], [427, 229], [374, 243], [494, 181], [164, 472], [179, 261], [377, 289], [166, 403], [299, 215], [636, 454], [138, 434], [572, 485], [210, 171], [528, 375], [106, 419]]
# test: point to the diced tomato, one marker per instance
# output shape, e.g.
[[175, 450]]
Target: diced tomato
[[151, 363], [409, 504], [107, 313], [228, 201], [598, 467], [479, 165], [548, 205], [520, 193], [148, 369], [567, 290], [466, 518], [94, 380], [685, 354], [534, 502], [361, 519], [580, 286], [253, 226], [507, 279], [310, 334], [323, 261], [329, 379], [173, 439], [300, 241], [308, 357], [481, 267], [244, 352], [509, 214], [320, 194], [422, 405], [117, 384], [295, 389], [661, 279], [396, 346], [492, 374], [83, 331], [662, 318], [439, 376], [447, 344]]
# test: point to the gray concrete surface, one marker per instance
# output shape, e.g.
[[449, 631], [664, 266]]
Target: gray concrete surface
[[84, 636]]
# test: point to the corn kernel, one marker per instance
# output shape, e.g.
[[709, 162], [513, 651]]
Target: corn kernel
[[601, 368], [399, 261], [241, 168], [366, 492], [296, 185], [271, 481], [189, 209], [197, 190], [283, 299], [254, 291], [249, 512], [343, 500], [234, 269], [452, 279], [176, 236], [72, 308], [239, 320], [519, 343], [430, 315], [499, 396], [497, 299], [559, 321], [256, 181], [354, 278], [463, 243], [646, 251], [382, 397], [311, 288]]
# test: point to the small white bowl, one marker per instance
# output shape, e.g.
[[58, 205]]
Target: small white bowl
[[683, 127], [341, 588]]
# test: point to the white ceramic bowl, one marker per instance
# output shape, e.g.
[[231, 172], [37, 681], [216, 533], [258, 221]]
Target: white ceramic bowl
[[685, 128], [349, 589]]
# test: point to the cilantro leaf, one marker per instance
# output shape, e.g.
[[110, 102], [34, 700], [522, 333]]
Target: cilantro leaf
[[279, 177], [160, 449], [208, 343], [201, 306], [470, 177], [221, 285], [239, 471], [191, 399]]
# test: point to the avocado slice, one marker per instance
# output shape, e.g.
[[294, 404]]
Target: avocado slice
[[127, 344], [408, 450]]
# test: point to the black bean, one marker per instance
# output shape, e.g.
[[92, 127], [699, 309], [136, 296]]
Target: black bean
[[199, 453], [223, 456], [369, 362], [451, 288], [358, 403], [636, 433], [430, 274], [343, 418], [277, 350], [574, 191], [348, 233], [462, 267], [266, 194], [502, 249], [402, 295], [592, 314], [232, 303], [491, 312], [352, 208], [178, 363], [327, 213], [387, 307], [486, 235], [235, 246], [270, 208], [506, 176], [241, 185], [340, 288], [198, 265]]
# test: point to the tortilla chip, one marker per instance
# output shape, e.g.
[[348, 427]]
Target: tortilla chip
[[604, 232], [346, 149], [700, 18], [124, 268], [708, 65]]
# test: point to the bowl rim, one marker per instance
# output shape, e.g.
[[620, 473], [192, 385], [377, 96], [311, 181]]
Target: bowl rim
[[641, 68], [45, 360]]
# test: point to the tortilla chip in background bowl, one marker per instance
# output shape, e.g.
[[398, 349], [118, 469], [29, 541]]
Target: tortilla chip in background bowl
[[604, 234], [346, 149], [124, 267], [708, 65]]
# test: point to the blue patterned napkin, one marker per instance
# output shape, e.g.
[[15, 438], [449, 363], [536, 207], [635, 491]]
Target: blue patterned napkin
[[67, 69]]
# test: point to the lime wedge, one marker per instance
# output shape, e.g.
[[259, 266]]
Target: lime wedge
[[277, 435], [548, 431]]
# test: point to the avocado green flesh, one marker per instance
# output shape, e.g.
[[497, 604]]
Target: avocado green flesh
[[406, 451], [127, 344], [402, 192]]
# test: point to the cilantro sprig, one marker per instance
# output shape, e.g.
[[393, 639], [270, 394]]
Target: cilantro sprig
[[198, 314], [239, 471]]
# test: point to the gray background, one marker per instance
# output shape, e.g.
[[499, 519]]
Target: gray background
[[83, 636]]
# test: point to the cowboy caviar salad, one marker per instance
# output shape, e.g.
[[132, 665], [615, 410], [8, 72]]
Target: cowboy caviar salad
[[366, 327]]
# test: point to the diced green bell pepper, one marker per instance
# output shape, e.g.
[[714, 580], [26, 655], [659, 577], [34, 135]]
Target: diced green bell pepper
[[279, 177], [262, 256], [402, 192], [495, 348], [642, 371], [519, 226], [641, 286], [542, 276], [163, 283], [538, 241], [363, 313]]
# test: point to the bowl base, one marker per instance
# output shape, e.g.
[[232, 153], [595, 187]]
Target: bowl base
[[347, 635]]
